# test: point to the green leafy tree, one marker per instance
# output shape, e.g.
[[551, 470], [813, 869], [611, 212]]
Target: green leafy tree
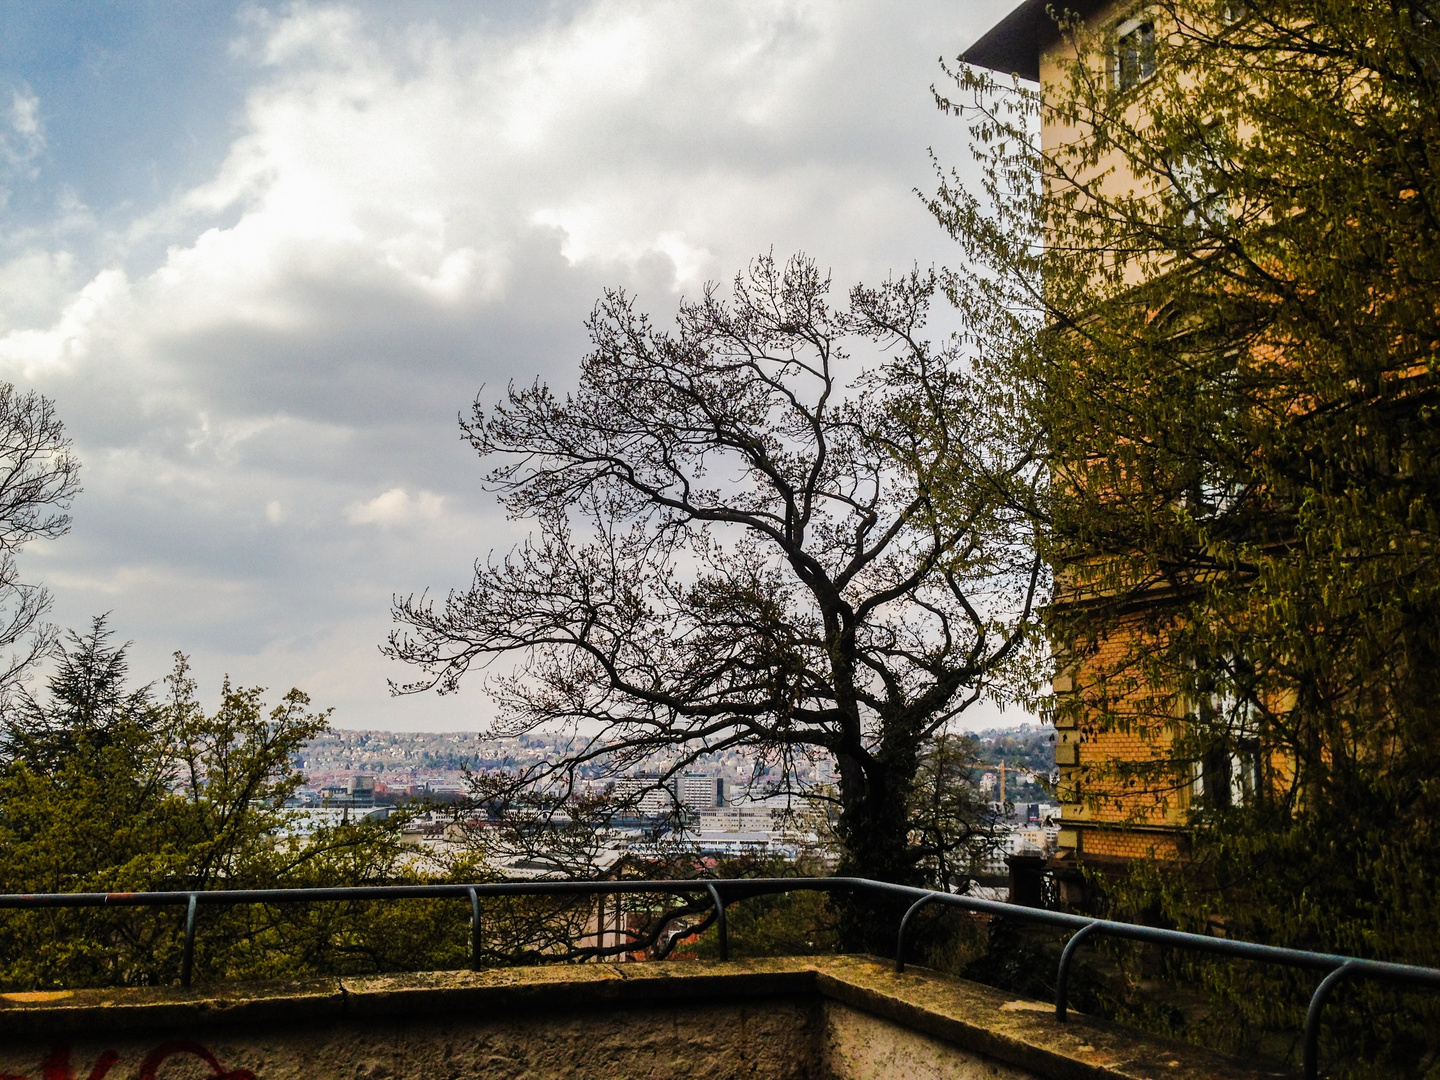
[[1221, 299], [953, 826], [105, 787]]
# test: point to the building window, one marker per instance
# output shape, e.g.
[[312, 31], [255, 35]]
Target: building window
[[1213, 495], [1134, 53], [1225, 779], [1193, 180], [1229, 772]]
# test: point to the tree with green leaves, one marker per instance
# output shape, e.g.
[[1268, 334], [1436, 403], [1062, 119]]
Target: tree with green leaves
[[108, 787], [1226, 261]]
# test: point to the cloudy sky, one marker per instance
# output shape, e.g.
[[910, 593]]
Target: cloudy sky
[[261, 256]]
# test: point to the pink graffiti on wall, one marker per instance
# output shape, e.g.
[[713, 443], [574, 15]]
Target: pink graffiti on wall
[[56, 1065]]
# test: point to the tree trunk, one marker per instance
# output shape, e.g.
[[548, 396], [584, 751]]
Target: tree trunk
[[873, 827]]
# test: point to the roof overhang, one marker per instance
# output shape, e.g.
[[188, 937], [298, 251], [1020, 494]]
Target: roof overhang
[[1014, 44]]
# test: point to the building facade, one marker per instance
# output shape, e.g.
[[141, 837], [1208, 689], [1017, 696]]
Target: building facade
[[1107, 817]]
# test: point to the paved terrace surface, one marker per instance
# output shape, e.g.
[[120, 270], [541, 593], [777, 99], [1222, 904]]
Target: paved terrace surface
[[815, 1018]]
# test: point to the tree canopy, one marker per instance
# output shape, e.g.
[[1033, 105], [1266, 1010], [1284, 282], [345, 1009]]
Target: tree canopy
[[1230, 259], [110, 787], [746, 536]]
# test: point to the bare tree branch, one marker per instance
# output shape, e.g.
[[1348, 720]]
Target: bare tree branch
[[745, 537]]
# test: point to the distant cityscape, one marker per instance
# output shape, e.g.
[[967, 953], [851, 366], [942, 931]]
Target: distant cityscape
[[417, 764], [727, 801]]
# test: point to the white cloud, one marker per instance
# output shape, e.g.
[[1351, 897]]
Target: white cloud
[[23, 143], [396, 507], [25, 116], [89, 317], [410, 210]]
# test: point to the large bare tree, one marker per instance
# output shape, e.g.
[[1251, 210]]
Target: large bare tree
[[747, 537], [39, 476]]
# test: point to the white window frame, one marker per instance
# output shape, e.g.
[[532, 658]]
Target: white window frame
[[1126, 29]]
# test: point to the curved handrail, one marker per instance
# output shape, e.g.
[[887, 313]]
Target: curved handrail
[[905, 920], [1062, 976], [723, 892]]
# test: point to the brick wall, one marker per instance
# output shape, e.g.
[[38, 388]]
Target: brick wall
[[1115, 738]]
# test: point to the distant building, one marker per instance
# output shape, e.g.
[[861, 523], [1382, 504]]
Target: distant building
[[701, 792], [361, 790], [653, 796], [306, 820], [649, 795], [357, 793]]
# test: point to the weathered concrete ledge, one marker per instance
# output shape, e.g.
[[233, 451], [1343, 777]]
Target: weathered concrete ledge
[[822, 1017]]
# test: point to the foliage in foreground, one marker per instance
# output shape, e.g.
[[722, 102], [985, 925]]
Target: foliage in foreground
[[105, 787], [1234, 364]]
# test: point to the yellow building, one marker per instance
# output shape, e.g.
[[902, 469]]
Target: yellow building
[[1106, 820]]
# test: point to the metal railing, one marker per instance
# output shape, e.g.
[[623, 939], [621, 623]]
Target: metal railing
[[724, 892]]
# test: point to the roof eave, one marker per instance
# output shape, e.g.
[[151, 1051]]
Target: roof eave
[[1014, 44]]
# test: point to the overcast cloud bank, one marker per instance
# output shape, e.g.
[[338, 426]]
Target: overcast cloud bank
[[262, 371]]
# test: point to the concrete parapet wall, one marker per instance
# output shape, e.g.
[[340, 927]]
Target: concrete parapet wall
[[831, 1018]]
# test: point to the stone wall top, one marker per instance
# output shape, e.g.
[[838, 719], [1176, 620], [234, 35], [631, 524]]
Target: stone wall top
[[974, 1019]]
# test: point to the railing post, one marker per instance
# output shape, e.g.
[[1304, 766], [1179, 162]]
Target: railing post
[[187, 958], [720, 920], [474, 929], [1062, 976], [905, 925], [1312, 1019]]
